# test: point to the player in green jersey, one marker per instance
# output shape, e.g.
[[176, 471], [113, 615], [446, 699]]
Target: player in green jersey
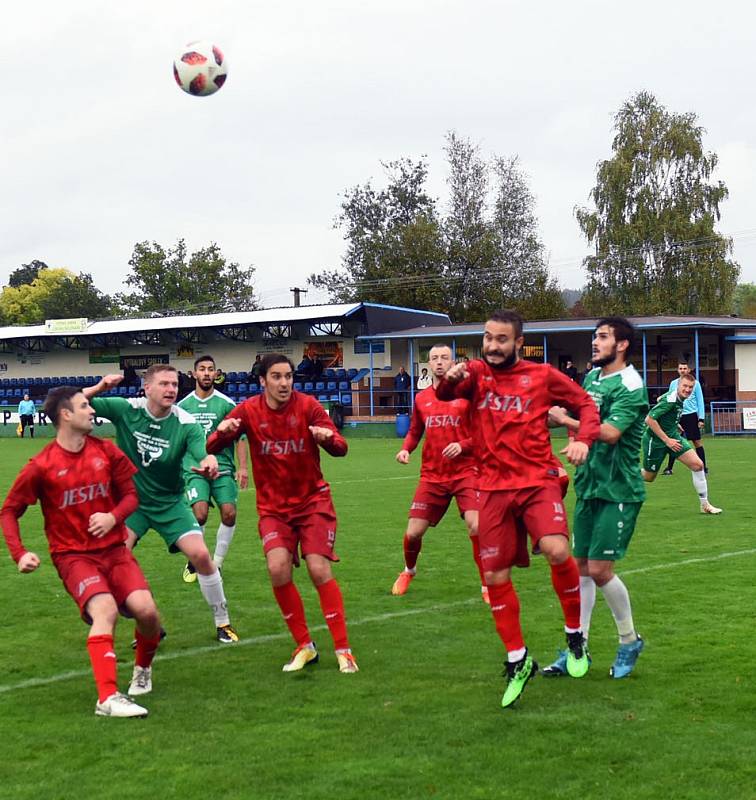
[[663, 437], [609, 487], [156, 435], [209, 406]]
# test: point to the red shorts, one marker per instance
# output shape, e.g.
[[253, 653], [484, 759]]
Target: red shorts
[[311, 531], [506, 516], [432, 499], [113, 570]]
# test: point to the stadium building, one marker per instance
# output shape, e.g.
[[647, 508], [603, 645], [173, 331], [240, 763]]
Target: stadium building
[[360, 347]]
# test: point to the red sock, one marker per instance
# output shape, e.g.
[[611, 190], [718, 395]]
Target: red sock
[[476, 555], [565, 578], [333, 610], [505, 607], [145, 648], [104, 665], [290, 602], [412, 548]]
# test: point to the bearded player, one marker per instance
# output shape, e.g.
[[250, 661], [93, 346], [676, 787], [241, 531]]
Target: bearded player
[[519, 483], [285, 431], [85, 487], [448, 469]]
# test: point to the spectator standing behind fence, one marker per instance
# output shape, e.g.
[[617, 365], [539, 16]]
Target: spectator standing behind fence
[[255, 370], [424, 381], [570, 370], [26, 411], [401, 388]]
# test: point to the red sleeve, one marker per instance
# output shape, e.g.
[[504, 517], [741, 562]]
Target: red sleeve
[[451, 391], [567, 393], [217, 442], [124, 490], [467, 446], [337, 444], [416, 430], [23, 493]]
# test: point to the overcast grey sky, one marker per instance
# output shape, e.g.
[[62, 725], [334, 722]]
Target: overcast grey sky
[[101, 149]]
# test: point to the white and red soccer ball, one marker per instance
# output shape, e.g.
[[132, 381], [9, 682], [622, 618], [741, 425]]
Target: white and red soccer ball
[[200, 68]]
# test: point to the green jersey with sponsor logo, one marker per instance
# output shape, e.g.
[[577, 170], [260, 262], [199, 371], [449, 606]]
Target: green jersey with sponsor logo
[[155, 445], [667, 412], [210, 412], [612, 471]]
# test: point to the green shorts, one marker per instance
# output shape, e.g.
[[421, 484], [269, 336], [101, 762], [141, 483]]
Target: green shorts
[[223, 490], [171, 521], [602, 529], [655, 451]]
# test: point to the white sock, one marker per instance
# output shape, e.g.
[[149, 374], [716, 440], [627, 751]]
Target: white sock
[[514, 656], [701, 486], [222, 542], [587, 602], [212, 590], [617, 598]]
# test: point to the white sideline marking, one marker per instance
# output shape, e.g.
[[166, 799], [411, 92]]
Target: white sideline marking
[[273, 637]]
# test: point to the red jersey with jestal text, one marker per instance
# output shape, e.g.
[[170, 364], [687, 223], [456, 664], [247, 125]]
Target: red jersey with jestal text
[[509, 410], [443, 422], [285, 456], [71, 487]]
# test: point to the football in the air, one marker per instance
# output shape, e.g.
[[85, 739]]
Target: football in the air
[[200, 68]]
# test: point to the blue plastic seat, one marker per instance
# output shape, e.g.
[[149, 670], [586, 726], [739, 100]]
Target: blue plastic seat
[[242, 388], [297, 386], [320, 386], [331, 386], [343, 386], [123, 391], [230, 388], [232, 376], [351, 372], [329, 373], [346, 399], [309, 387], [322, 398], [334, 398]]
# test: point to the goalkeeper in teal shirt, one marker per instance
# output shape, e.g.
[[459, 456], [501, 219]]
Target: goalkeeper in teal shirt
[[26, 409]]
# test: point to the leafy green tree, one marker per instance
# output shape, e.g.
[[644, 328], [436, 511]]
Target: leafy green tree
[[481, 254], [26, 273], [527, 284], [173, 281], [56, 293], [394, 250], [744, 300], [653, 226]]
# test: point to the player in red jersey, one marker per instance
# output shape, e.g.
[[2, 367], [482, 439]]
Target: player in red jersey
[[448, 469], [285, 430], [519, 482], [85, 487]]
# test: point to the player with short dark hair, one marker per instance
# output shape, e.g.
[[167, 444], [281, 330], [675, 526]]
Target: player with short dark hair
[[157, 436], [609, 487], [285, 430], [208, 405], [85, 487], [448, 470], [662, 437], [519, 484]]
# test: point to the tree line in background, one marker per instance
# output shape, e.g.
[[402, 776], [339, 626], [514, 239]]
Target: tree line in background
[[160, 282], [652, 227]]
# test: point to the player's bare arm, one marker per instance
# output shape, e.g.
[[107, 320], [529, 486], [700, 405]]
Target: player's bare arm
[[28, 562], [242, 471], [101, 523], [403, 456], [559, 417], [106, 383], [673, 444], [320, 435]]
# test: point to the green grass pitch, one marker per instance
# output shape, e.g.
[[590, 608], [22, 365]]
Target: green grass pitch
[[422, 718]]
